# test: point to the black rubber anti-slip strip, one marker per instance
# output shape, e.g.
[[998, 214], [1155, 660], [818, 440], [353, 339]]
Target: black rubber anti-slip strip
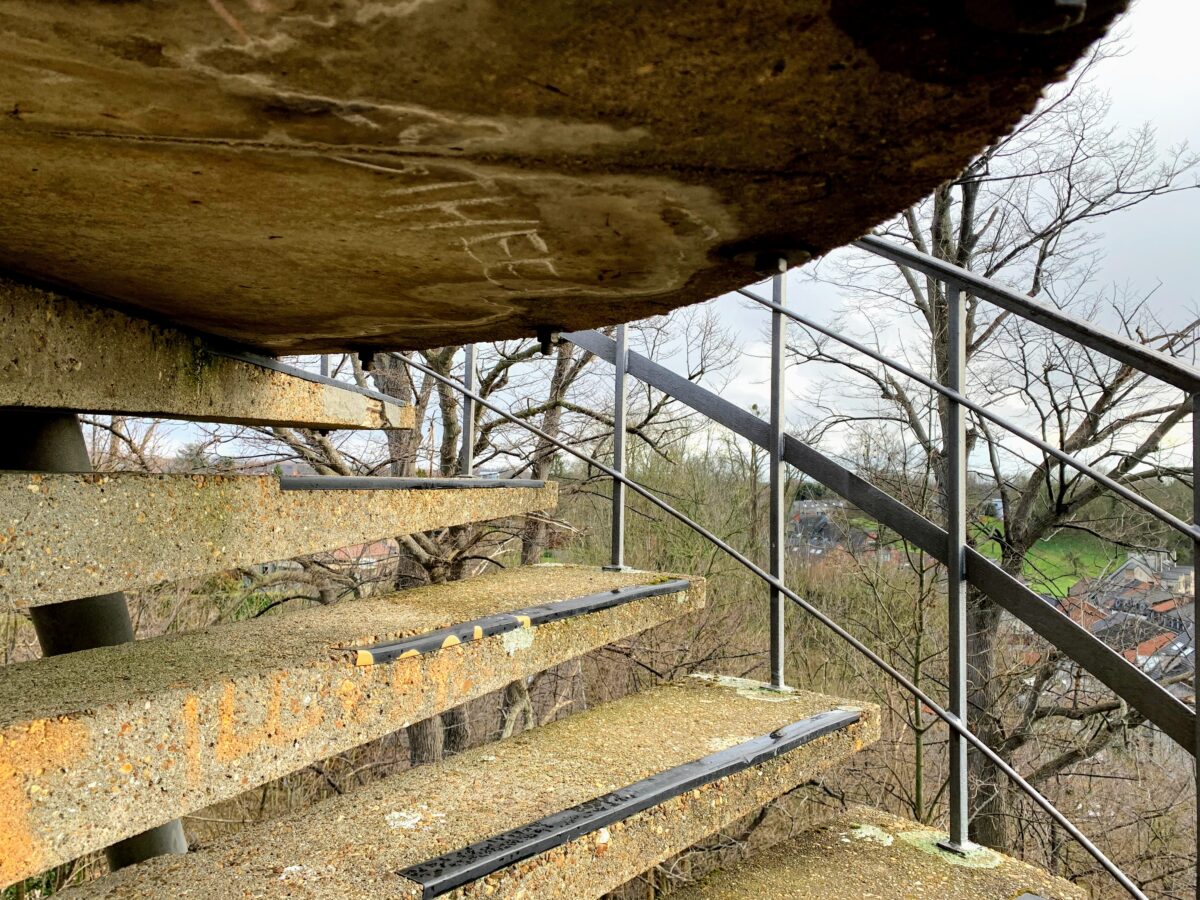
[[384, 483], [442, 874], [488, 626]]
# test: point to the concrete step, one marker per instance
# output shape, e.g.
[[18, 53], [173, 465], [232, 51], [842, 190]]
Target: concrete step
[[63, 354], [64, 536], [868, 853], [102, 744], [572, 809]]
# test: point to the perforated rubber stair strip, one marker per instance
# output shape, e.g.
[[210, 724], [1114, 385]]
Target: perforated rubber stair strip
[[528, 617], [443, 874]]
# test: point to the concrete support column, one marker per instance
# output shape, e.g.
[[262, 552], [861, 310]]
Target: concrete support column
[[42, 441]]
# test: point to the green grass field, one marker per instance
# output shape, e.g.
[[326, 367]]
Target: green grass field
[[1056, 563]]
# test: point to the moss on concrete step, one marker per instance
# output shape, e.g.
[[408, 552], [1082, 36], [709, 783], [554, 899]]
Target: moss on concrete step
[[868, 853], [353, 846], [99, 745], [68, 536]]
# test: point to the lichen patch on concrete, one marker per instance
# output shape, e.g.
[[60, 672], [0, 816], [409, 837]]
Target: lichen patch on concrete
[[517, 640], [975, 858], [751, 690], [871, 833]]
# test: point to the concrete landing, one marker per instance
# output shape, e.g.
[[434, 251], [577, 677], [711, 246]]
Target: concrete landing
[[306, 175], [102, 744], [64, 536], [867, 853], [353, 847]]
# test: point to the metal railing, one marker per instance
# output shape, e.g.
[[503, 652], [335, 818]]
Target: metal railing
[[1127, 680], [966, 566], [953, 722]]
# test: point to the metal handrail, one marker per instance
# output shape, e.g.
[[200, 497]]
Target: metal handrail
[[1125, 679], [954, 724], [1190, 531], [1143, 358]]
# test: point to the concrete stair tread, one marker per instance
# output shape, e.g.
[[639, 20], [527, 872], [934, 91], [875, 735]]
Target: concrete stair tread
[[541, 783], [98, 745], [868, 853], [78, 535], [62, 354]]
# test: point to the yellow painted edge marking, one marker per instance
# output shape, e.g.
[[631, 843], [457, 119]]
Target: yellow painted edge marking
[[525, 621], [477, 635], [450, 641], [407, 653], [364, 658]]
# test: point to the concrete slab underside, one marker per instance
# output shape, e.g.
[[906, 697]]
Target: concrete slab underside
[[98, 745], [353, 846], [64, 536], [867, 853], [304, 175]]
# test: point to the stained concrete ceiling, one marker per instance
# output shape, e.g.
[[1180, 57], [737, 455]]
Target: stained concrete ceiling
[[317, 176]]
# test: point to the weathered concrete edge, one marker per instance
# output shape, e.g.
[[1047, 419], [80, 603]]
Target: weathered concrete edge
[[442, 874], [600, 861], [59, 353], [216, 742], [64, 536]]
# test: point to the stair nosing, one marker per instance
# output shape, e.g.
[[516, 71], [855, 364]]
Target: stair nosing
[[441, 874], [501, 623]]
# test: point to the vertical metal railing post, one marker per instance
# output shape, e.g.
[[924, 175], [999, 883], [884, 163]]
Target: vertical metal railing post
[[1196, 605], [777, 539], [956, 582], [466, 455], [620, 397]]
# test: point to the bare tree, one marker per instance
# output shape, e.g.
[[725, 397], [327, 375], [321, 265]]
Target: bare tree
[[1023, 212]]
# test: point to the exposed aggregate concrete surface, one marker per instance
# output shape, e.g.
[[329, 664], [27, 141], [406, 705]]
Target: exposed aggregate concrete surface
[[102, 744], [64, 536], [866, 853], [63, 354], [319, 176], [352, 846]]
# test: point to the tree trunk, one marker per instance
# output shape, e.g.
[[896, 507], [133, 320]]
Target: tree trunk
[[535, 535], [456, 730], [425, 741], [988, 787]]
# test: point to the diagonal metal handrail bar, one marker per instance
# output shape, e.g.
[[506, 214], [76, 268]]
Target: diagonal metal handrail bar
[[1145, 359], [1124, 678], [1190, 531], [958, 727]]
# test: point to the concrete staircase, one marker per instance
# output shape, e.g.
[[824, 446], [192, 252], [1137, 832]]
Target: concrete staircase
[[104, 744], [572, 809]]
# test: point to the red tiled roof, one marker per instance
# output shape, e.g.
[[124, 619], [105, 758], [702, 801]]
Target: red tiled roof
[[1149, 647]]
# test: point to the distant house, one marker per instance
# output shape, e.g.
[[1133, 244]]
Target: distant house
[[1144, 610]]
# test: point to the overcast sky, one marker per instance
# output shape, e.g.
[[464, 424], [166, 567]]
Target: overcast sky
[[1156, 81]]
